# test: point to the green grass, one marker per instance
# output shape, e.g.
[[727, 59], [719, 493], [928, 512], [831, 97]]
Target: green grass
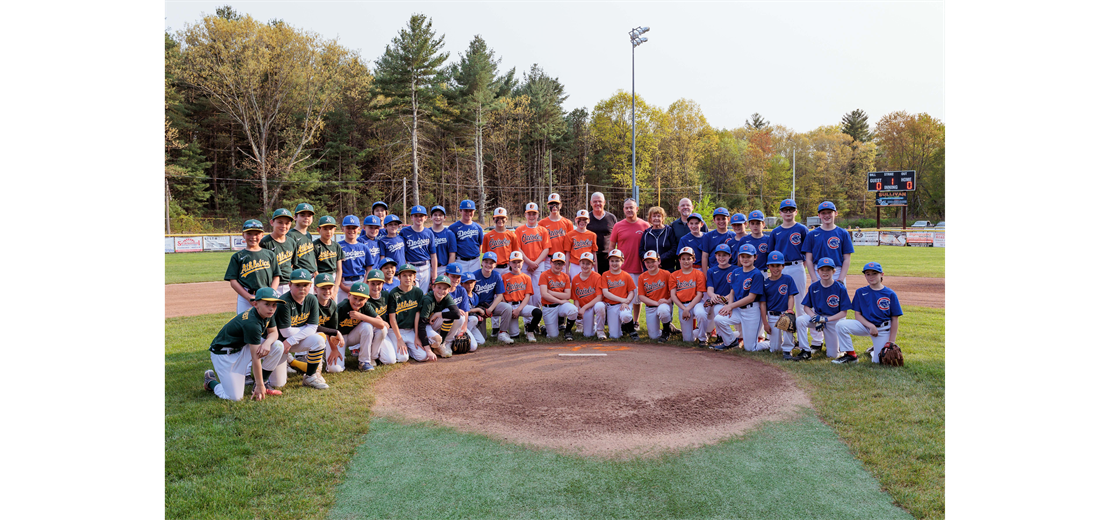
[[286, 457], [900, 261], [196, 267]]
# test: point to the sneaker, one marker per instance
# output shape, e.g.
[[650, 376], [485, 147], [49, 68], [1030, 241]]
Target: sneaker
[[634, 335], [315, 381], [248, 380], [290, 370], [735, 343], [504, 338], [787, 357], [703, 343], [531, 337], [804, 355], [601, 336], [715, 340], [366, 367], [568, 336], [209, 376], [270, 390], [844, 359], [441, 350]]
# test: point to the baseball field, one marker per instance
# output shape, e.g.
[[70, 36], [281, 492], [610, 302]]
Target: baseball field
[[614, 429]]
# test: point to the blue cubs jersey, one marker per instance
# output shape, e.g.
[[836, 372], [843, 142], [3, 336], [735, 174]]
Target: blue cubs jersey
[[355, 259], [712, 239], [832, 244], [693, 242], [827, 301], [418, 244], [468, 239], [444, 245], [762, 247], [486, 289], [718, 279], [789, 242], [744, 283], [876, 306], [777, 293], [393, 248]]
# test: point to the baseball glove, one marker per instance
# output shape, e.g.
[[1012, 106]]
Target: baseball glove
[[786, 322], [462, 345], [891, 355]]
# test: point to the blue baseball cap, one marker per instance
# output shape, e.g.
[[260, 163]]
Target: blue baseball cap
[[467, 204], [439, 208], [281, 212], [722, 248], [695, 215], [776, 258], [825, 262], [387, 260], [350, 220], [720, 211], [872, 266], [746, 249], [826, 205], [390, 219], [788, 203], [379, 203], [490, 255], [468, 277], [756, 215], [737, 218], [419, 210], [453, 268], [372, 220], [252, 224]]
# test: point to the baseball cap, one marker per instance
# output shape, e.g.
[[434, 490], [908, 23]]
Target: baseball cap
[[419, 210], [406, 267], [737, 218], [372, 220], [588, 256], [531, 207], [301, 275], [719, 211], [559, 257], [826, 205], [324, 280], [582, 214], [787, 203], [360, 289], [490, 255], [695, 215], [375, 275], [554, 197], [442, 280], [266, 294], [326, 220], [350, 220], [440, 209], [617, 253], [746, 249], [454, 268], [686, 251], [500, 212], [467, 204], [722, 248], [379, 203], [252, 224], [387, 260], [390, 219], [776, 258], [281, 212], [825, 262], [304, 206], [756, 215], [872, 266], [468, 277], [651, 255], [516, 255]]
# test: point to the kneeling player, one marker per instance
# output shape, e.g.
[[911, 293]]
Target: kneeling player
[[877, 310], [556, 292], [587, 294], [382, 347], [742, 308], [654, 291], [778, 299], [825, 303], [231, 364], [297, 321], [619, 290], [435, 307], [357, 321], [687, 287], [518, 291]]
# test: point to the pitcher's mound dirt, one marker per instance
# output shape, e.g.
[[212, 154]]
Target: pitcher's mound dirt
[[634, 400]]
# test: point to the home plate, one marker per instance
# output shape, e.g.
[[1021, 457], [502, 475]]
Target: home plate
[[583, 354]]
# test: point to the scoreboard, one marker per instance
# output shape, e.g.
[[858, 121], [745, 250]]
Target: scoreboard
[[905, 180]]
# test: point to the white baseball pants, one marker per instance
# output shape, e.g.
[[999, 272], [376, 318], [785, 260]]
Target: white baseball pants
[[472, 328], [848, 328], [615, 316], [778, 340], [525, 314], [816, 337], [232, 370], [535, 299], [831, 339], [358, 340], [241, 304], [573, 270], [689, 332], [593, 319], [656, 316], [384, 349], [469, 266], [551, 317], [408, 336], [748, 321], [424, 277]]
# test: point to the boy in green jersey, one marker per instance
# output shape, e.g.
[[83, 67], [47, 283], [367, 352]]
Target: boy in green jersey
[[305, 256], [255, 330], [357, 321], [283, 246], [329, 256], [432, 307], [252, 268], [382, 347], [297, 322], [404, 310]]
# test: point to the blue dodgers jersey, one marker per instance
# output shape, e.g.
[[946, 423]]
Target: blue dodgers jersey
[[832, 244], [693, 242], [393, 248], [789, 241], [745, 283], [355, 259], [375, 249], [762, 247], [486, 289], [444, 245], [461, 298], [388, 287], [468, 239], [876, 306], [718, 279], [418, 244], [777, 292], [362, 238], [712, 239], [827, 301]]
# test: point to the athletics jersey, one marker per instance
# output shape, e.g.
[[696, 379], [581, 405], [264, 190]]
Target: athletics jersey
[[876, 306], [468, 239], [444, 244], [487, 288], [554, 282], [710, 240], [406, 305], [533, 241], [252, 269], [789, 241], [586, 291], [557, 232], [418, 245], [655, 287], [517, 286], [745, 283], [777, 292], [687, 286], [355, 260], [832, 244], [305, 257], [762, 247], [284, 252], [380, 305], [328, 256], [619, 285], [501, 243], [694, 243], [348, 323], [244, 329], [718, 279], [584, 242], [294, 314], [392, 247], [429, 305], [827, 301], [329, 314]]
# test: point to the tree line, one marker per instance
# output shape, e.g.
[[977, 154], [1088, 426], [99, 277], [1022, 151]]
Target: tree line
[[261, 115]]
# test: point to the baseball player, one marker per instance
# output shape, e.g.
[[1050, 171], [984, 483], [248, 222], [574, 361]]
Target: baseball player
[[654, 290], [382, 347], [535, 244], [688, 288], [555, 288], [444, 243], [252, 268], [391, 244], [619, 291], [419, 251], [828, 241], [369, 231], [876, 316], [255, 330], [434, 308], [283, 246], [787, 239], [403, 308], [389, 275], [380, 209], [468, 238], [715, 237], [518, 294], [718, 286], [370, 227], [328, 327], [357, 321], [586, 287], [500, 241], [557, 226], [825, 303], [737, 221], [778, 299], [459, 294], [328, 252], [758, 239], [489, 287], [742, 307], [693, 241], [297, 321], [305, 257], [476, 325], [355, 257], [580, 240]]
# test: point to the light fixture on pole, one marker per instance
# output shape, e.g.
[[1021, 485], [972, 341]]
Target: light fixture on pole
[[634, 37]]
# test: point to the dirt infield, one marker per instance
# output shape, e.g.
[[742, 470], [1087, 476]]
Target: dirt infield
[[193, 299], [609, 399]]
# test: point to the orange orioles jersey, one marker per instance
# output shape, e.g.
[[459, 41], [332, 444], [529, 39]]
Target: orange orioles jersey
[[586, 291], [517, 286], [554, 282], [584, 242], [619, 285], [687, 286], [533, 241], [557, 232], [501, 243], [655, 287]]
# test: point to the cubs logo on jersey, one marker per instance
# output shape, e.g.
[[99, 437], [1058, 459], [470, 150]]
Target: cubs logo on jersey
[[833, 242], [833, 301], [747, 284], [782, 290], [763, 247], [883, 304], [796, 238]]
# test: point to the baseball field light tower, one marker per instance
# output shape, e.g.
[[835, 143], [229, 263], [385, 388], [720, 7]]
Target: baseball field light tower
[[634, 37]]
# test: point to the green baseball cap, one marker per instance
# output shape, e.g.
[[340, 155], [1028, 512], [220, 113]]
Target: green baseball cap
[[251, 225], [375, 275], [266, 294], [304, 206], [301, 275], [406, 267], [281, 212], [360, 289], [442, 279], [324, 279], [327, 221]]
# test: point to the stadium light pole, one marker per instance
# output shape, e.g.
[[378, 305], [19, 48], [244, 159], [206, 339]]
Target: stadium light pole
[[634, 37]]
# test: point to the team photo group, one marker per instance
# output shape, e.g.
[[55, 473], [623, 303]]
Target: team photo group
[[384, 291]]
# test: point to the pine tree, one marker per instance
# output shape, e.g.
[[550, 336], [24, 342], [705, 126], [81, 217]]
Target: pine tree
[[756, 122], [854, 123]]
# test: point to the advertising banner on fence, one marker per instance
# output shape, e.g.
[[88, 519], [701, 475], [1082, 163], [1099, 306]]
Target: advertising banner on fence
[[919, 238], [938, 239], [892, 238], [238, 244], [865, 238], [217, 243], [169, 244], [188, 244]]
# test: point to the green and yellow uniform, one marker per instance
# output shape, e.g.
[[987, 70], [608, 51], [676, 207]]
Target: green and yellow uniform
[[294, 314], [244, 329], [252, 269], [305, 255], [406, 305], [327, 257], [346, 322], [284, 251]]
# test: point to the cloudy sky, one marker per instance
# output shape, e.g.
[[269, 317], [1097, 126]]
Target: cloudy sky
[[799, 64]]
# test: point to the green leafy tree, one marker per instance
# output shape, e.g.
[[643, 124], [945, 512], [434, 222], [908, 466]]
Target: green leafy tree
[[915, 142], [545, 97], [410, 76], [611, 130], [854, 123]]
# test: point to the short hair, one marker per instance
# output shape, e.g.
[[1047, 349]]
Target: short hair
[[597, 194], [685, 199], [656, 209], [632, 200]]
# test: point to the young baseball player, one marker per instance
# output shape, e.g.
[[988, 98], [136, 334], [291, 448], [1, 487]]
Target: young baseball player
[[742, 307], [476, 325], [370, 227], [382, 347], [693, 241], [586, 287], [305, 257], [876, 316], [255, 330], [535, 244], [355, 260], [403, 310], [392, 245], [716, 237], [654, 290], [490, 289], [737, 221], [444, 243], [688, 288], [787, 239], [458, 293], [419, 251], [328, 327], [828, 241], [329, 254], [434, 308], [297, 321], [778, 299], [283, 246], [518, 294], [357, 321], [380, 209], [555, 288], [500, 241], [252, 268], [619, 291], [718, 287], [825, 303], [758, 239], [580, 240], [468, 238], [557, 226], [369, 231], [389, 275]]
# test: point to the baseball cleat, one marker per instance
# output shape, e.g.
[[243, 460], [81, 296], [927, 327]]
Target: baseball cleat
[[804, 355], [315, 381], [442, 350], [366, 367], [735, 343], [703, 343], [601, 336], [531, 337], [634, 335], [844, 359], [504, 338], [209, 376], [248, 380], [567, 336], [787, 357]]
